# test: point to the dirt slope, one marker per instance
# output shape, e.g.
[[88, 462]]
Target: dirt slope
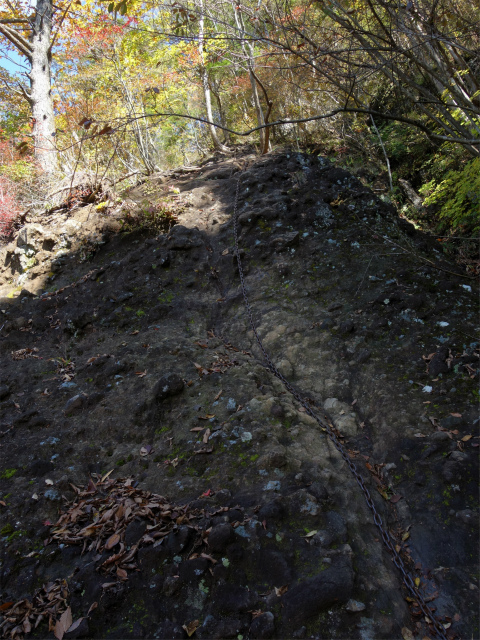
[[227, 510]]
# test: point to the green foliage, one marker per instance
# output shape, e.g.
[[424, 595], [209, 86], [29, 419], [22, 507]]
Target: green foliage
[[8, 473], [158, 218], [458, 196], [18, 170]]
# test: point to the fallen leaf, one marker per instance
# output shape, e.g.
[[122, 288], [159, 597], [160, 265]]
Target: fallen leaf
[[93, 606], [354, 402], [5, 605], [63, 624], [225, 252], [106, 476], [466, 438], [456, 415], [134, 333], [122, 574], [3, 503], [310, 534], [206, 436], [112, 541], [191, 627], [218, 395], [417, 582], [447, 625], [48, 481], [206, 494], [197, 429], [279, 591], [75, 625], [395, 498], [107, 585], [141, 374], [405, 536], [420, 435], [207, 557]]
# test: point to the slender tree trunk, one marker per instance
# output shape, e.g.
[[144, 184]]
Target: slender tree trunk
[[41, 90], [248, 52], [205, 83]]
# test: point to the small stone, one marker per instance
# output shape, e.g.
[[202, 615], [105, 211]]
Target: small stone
[[74, 403], [169, 385], [219, 537], [263, 626], [231, 405], [300, 633], [308, 598], [335, 306], [20, 323], [171, 585], [354, 606], [273, 485], [233, 598], [277, 411], [346, 327], [363, 355], [68, 385], [52, 494]]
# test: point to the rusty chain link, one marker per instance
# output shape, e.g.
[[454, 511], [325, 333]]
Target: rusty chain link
[[328, 428]]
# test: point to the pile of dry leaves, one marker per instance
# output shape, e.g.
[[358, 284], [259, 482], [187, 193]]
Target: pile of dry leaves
[[101, 513], [49, 603]]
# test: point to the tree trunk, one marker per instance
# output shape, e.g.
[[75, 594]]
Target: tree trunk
[[206, 85], [40, 89], [37, 49], [248, 51]]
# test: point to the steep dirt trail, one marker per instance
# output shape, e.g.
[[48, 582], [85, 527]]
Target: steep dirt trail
[[144, 365]]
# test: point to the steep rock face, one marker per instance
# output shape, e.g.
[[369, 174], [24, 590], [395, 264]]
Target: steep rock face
[[142, 362]]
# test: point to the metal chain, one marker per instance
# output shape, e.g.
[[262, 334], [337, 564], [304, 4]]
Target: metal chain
[[328, 429]]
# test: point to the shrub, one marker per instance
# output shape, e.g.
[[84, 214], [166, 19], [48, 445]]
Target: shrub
[[458, 196], [9, 209]]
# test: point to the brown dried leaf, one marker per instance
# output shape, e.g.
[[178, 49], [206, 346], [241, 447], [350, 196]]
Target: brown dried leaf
[[279, 591], [207, 433], [63, 624], [467, 438], [191, 627], [112, 541]]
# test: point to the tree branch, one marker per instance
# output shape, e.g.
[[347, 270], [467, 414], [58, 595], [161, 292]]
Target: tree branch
[[468, 142], [17, 40]]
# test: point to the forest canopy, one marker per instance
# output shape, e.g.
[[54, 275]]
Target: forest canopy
[[115, 89]]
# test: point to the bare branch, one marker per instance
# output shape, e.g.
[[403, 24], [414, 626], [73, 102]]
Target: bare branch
[[17, 40]]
